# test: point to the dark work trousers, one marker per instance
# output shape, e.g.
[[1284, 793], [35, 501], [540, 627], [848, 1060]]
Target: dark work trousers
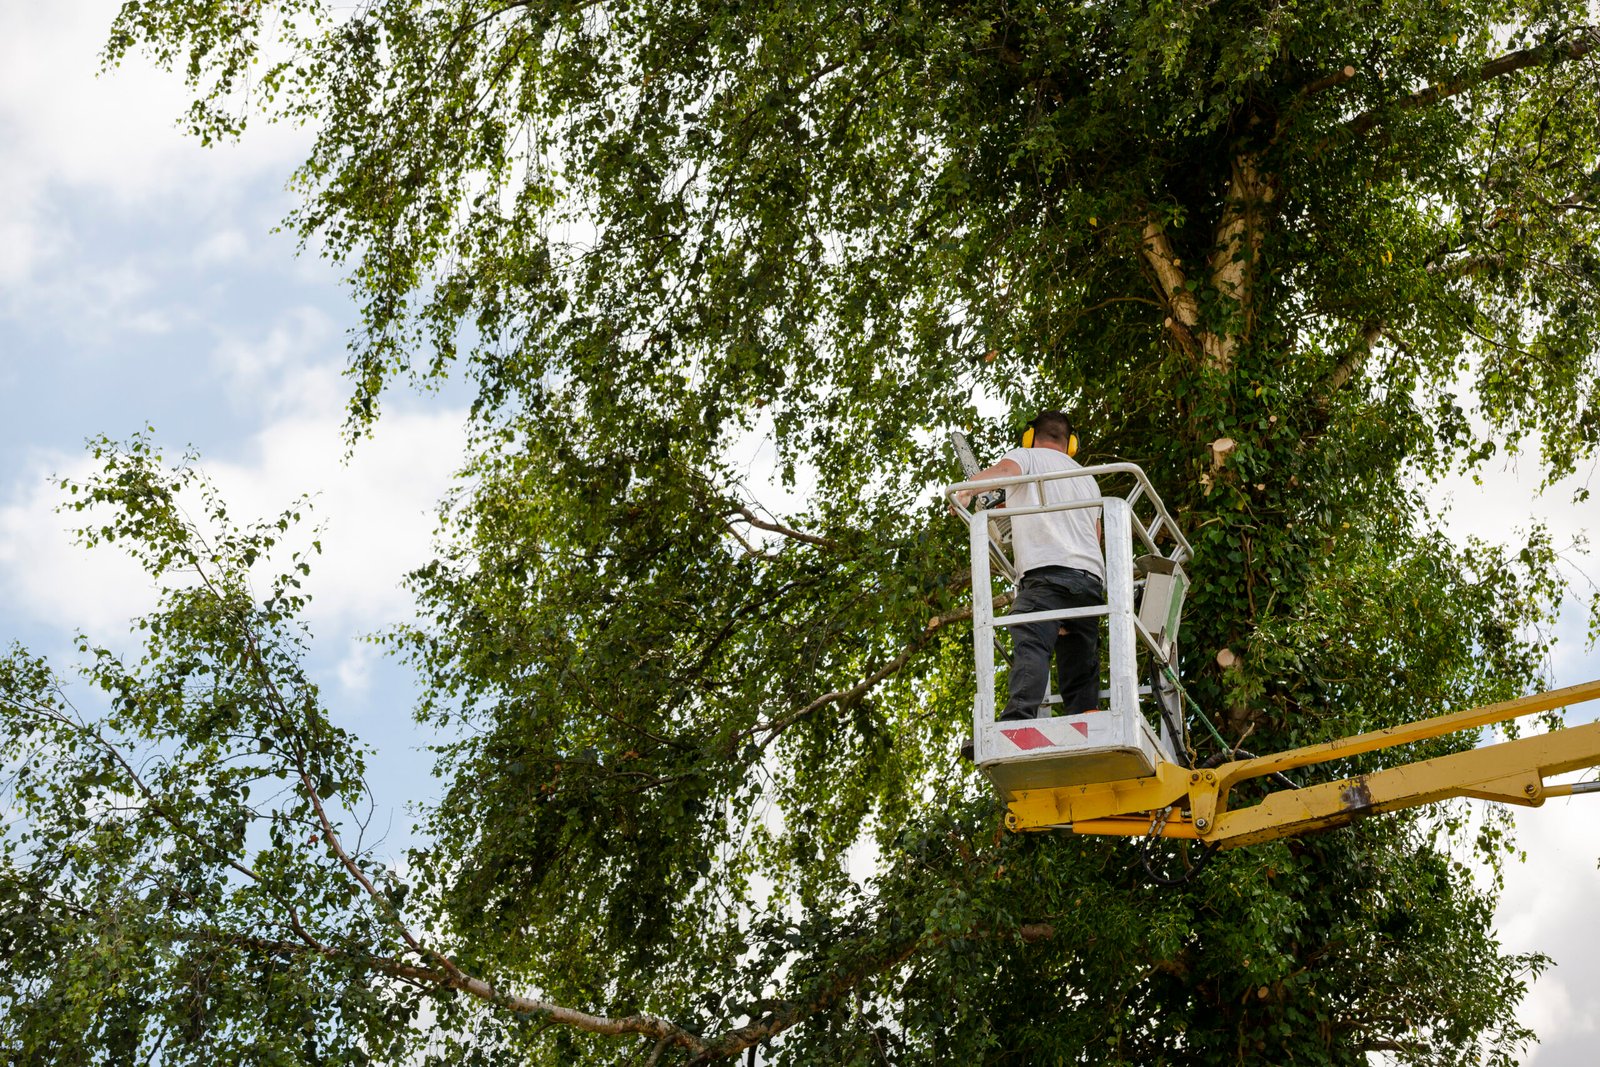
[[1076, 643]]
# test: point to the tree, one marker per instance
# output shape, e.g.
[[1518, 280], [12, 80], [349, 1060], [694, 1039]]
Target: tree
[[1291, 258]]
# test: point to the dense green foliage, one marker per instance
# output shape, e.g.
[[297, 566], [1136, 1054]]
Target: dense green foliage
[[699, 757]]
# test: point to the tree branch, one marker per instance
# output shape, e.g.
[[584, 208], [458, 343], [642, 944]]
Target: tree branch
[[1183, 310], [1328, 81], [1163, 259], [790, 1014], [258, 664], [1467, 265], [1286, 121], [1354, 358], [1236, 251], [749, 549], [797, 535], [648, 1025], [1575, 47]]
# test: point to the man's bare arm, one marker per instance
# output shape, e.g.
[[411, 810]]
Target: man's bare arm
[[1006, 468]]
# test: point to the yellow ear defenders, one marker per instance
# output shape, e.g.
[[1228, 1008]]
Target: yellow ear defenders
[[1072, 439]]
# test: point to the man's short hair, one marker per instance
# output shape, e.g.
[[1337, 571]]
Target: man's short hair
[[1053, 425]]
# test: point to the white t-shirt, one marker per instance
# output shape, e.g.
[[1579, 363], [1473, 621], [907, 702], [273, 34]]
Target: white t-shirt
[[1058, 538]]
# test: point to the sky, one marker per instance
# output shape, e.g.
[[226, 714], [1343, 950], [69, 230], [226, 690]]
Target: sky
[[141, 285]]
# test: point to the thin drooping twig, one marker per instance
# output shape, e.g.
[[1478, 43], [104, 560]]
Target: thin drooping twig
[[776, 726], [772, 728], [445, 972], [153, 804]]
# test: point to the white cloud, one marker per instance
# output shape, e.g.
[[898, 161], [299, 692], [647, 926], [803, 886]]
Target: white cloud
[[1547, 902], [355, 670], [292, 373], [44, 576], [1548, 906], [376, 512], [26, 240], [115, 133], [102, 142], [1502, 504], [220, 248]]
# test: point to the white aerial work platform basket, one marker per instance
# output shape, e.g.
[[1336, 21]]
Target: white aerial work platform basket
[[1144, 600]]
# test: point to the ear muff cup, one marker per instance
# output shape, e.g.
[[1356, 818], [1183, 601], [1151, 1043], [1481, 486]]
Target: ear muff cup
[[1072, 440]]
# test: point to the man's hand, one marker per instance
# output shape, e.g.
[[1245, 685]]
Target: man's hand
[[1006, 468]]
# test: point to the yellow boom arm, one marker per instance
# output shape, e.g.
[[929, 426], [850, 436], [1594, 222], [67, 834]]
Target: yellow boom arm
[[1511, 772]]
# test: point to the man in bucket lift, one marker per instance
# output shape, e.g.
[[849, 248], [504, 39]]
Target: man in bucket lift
[[1059, 559]]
